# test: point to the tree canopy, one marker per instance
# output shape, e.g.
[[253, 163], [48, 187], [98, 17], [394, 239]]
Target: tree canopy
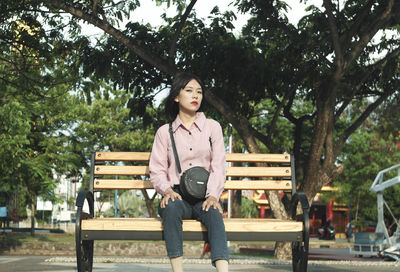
[[298, 78]]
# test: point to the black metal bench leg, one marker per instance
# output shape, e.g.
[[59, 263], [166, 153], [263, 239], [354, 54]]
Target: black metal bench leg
[[84, 248], [299, 257], [300, 248]]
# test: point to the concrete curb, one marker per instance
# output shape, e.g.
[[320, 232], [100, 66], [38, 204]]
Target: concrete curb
[[233, 260]]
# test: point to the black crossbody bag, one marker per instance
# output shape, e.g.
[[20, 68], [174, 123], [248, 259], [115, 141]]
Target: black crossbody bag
[[193, 182]]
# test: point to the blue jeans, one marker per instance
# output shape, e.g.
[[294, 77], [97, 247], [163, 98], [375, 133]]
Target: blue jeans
[[172, 216]]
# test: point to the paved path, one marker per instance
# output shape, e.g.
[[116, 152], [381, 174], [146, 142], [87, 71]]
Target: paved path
[[67, 264]]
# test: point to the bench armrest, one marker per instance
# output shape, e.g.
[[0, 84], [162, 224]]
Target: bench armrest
[[80, 200], [304, 217], [299, 196]]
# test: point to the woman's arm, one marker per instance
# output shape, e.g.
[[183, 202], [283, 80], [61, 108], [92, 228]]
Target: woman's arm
[[216, 181], [158, 165]]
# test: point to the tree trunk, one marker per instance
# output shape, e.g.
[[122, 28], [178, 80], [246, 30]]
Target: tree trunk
[[237, 204], [283, 251], [32, 196], [322, 141]]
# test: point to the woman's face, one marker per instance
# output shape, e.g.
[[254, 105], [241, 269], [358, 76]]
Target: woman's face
[[190, 97]]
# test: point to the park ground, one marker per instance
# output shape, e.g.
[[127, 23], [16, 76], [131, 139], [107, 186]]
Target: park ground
[[54, 252]]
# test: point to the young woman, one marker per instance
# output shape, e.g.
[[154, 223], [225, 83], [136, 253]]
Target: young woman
[[199, 142]]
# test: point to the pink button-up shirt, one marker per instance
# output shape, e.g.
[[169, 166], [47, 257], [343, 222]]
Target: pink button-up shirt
[[194, 149]]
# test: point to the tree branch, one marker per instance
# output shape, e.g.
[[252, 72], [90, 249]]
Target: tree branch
[[358, 21], [94, 6], [340, 142], [366, 75], [366, 37], [179, 27], [272, 126], [241, 124], [335, 34], [344, 105], [288, 106], [157, 62]]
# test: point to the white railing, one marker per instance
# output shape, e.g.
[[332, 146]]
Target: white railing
[[380, 185]]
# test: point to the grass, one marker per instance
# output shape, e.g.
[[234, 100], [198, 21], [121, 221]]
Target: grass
[[24, 237], [39, 237]]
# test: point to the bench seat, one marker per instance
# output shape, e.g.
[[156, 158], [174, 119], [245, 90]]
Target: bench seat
[[151, 229]]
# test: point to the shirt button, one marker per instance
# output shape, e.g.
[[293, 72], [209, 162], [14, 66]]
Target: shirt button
[[190, 164], [190, 133], [190, 149]]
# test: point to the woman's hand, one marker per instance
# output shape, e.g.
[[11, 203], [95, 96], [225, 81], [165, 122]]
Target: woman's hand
[[169, 194], [211, 202]]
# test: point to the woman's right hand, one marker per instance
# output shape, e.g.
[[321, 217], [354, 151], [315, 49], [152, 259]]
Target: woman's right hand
[[169, 194]]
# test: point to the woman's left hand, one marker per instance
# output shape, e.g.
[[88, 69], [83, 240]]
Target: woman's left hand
[[211, 202]]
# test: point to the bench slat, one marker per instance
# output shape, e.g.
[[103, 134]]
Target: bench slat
[[230, 171], [258, 171], [123, 170], [230, 157], [253, 157], [130, 184], [122, 156], [231, 225], [258, 185]]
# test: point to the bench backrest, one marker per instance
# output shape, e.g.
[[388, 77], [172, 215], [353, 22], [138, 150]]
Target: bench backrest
[[129, 170]]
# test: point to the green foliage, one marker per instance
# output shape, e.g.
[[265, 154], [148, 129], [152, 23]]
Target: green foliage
[[367, 154], [249, 208], [106, 124], [14, 130], [129, 205]]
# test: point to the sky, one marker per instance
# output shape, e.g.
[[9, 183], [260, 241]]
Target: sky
[[149, 12], [204, 7]]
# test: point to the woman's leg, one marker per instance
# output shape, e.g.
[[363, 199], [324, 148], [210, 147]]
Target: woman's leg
[[172, 216], [213, 221], [176, 264], [221, 265]]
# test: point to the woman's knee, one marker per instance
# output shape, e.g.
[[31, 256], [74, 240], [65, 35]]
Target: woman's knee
[[212, 217], [214, 213], [173, 209]]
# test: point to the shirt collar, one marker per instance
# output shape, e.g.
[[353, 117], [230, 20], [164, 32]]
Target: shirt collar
[[199, 122]]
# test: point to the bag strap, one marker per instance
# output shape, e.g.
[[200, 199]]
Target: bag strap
[[178, 165]]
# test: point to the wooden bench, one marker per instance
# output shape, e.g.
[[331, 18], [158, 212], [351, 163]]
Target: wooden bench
[[251, 175]]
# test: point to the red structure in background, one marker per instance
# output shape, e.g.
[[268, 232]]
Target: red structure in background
[[262, 211], [319, 212]]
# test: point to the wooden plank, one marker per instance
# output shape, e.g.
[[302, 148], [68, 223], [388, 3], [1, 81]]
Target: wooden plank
[[258, 171], [258, 185], [230, 157], [125, 170], [231, 225], [131, 184], [122, 170], [128, 184], [255, 157], [122, 156]]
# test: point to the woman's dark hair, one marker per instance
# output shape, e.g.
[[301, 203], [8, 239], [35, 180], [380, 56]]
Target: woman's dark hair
[[179, 82]]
